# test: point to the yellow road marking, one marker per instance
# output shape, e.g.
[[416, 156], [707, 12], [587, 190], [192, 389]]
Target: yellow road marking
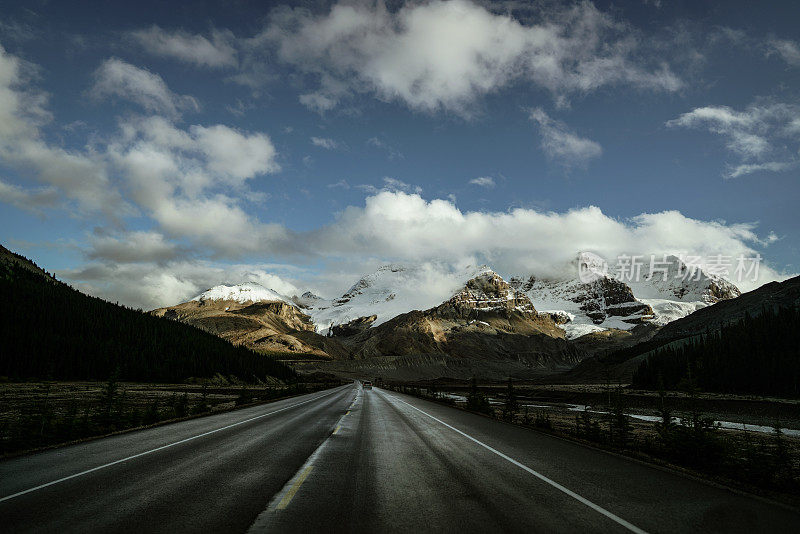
[[296, 486], [337, 428]]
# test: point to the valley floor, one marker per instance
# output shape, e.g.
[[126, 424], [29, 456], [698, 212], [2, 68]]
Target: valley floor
[[738, 410], [41, 414]]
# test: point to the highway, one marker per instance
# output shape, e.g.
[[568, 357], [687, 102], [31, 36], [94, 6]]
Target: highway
[[353, 460]]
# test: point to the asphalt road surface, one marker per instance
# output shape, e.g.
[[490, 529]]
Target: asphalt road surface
[[358, 460]]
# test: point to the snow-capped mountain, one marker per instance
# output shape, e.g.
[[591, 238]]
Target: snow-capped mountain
[[596, 299], [243, 293], [251, 315], [675, 289], [672, 279], [390, 291], [309, 300], [584, 307], [487, 291], [588, 297], [486, 319], [418, 317]]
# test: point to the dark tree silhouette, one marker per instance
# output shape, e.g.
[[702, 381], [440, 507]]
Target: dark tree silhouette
[[51, 331], [758, 355]]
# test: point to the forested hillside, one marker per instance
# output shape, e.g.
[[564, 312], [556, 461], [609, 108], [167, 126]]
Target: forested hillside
[[754, 355], [51, 331]]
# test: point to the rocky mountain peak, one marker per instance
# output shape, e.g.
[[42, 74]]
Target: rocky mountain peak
[[307, 300], [488, 291], [598, 300], [607, 297]]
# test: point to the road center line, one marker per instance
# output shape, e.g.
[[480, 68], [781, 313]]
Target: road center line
[[282, 499], [587, 502], [115, 462], [296, 486]]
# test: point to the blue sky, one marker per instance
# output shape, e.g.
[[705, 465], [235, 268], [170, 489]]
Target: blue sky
[[149, 152]]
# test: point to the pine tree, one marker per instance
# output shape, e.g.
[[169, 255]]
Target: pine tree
[[620, 426], [511, 406], [477, 401]]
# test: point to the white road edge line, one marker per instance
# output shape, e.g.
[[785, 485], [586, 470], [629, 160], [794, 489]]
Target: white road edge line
[[587, 502], [115, 462]]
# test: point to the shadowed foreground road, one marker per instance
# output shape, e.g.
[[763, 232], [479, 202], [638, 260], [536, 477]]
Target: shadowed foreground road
[[353, 460]]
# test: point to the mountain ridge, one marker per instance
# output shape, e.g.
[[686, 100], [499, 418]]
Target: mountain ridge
[[622, 364], [449, 306], [53, 331], [482, 318]]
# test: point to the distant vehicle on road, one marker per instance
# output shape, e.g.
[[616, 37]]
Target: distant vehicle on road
[[367, 384]]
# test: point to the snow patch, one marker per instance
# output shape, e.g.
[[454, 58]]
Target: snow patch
[[243, 293], [667, 311]]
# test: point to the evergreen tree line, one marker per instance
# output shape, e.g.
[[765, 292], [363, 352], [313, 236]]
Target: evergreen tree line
[[757, 355], [52, 331]]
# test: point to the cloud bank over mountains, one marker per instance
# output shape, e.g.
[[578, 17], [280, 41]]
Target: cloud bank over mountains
[[174, 201], [404, 227]]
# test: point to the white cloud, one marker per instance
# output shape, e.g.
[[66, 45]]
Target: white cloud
[[230, 152], [750, 168], [765, 136], [391, 152], [483, 181], [240, 108], [80, 175], [562, 145], [444, 55], [118, 79], [318, 102], [132, 247], [340, 184], [197, 157], [325, 142], [192, 182], [15, 31], [405, 227], [149, 285], [390, 184], [218, 51], [788, 50], [29, 199]]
